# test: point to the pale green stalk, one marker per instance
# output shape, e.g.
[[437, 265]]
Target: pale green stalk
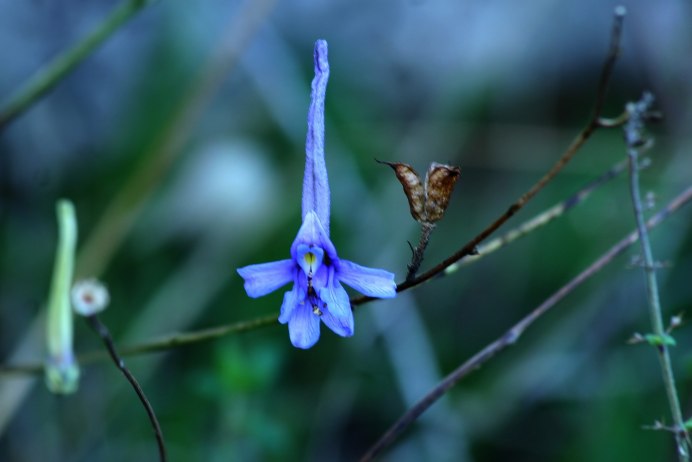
[[638, 113], [62, 371]]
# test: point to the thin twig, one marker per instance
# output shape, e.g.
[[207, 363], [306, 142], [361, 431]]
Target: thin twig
[[541, 219], [633, 138], [513, 334], [101, 329], [49, 76], [202, 335], [165, 343], [591, 126], [426, 230]]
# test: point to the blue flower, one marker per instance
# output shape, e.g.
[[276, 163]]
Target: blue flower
[[314, 267]]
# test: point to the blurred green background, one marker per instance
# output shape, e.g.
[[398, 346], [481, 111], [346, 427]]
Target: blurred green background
[[191, 120]]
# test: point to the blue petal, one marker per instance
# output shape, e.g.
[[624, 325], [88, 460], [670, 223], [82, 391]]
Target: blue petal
[[315, 182], [372, 282], [291, 299], [337, 314], [320, 278], [303, 327], [267, 277], [312, 234]]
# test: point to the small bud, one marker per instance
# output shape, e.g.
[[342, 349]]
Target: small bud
[[62, 371], [644, 162], [650, 200], [427, 202], [675, 322], [636, 338], [89, 297], [636, 261]]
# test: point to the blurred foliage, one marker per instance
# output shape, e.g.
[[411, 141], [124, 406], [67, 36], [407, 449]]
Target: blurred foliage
[[494, 87]]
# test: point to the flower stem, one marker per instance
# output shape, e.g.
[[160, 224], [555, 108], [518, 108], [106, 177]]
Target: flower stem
[[49, 76], [426, 230], [637, 114]]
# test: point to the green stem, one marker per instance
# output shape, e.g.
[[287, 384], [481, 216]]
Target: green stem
[[165, 343], [637, 112], [49, 76]]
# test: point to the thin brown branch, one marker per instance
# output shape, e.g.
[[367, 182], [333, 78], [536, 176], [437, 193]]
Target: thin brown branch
[[541, 219], [513, 334], [107, 339], [607, 69], [591, 126]]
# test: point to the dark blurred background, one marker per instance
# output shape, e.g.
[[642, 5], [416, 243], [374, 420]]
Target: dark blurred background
[[181, 143]]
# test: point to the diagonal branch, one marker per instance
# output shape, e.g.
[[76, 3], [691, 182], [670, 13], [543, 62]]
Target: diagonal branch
[[45, 79], [541, 219]]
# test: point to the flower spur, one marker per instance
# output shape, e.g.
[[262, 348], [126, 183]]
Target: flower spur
[[314, 267]]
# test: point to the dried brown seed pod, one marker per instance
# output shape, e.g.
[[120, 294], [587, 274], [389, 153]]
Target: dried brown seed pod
[[428, 201], [413, 188], [439, 184]]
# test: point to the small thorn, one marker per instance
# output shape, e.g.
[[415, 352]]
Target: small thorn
[[636, 338], [384, 162]]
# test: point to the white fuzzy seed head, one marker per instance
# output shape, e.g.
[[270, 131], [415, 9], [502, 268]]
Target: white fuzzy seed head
[[89, 297]]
